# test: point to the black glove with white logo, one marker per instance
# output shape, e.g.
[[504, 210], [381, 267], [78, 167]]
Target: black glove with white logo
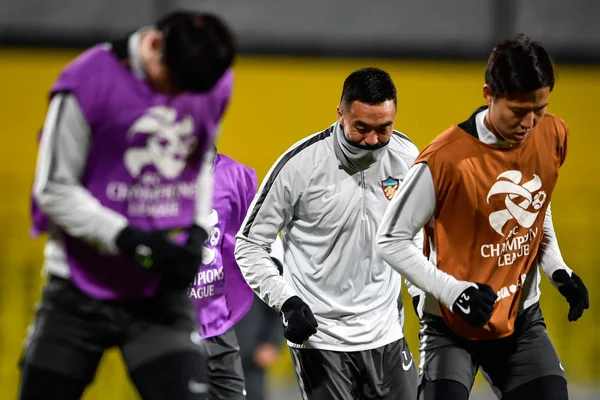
[[476, 304], [155, 251], [573, 289], [299, 320]]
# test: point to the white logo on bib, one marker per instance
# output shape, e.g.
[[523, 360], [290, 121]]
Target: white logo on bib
[[168, 146]]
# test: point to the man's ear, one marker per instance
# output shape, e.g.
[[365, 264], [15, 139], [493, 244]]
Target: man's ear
[[487, 95]]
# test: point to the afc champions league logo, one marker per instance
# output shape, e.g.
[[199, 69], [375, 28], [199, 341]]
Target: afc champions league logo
[[169, 143], [523, 201]]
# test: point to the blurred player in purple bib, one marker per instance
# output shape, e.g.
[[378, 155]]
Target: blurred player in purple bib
[[121, 168], [219, 291]]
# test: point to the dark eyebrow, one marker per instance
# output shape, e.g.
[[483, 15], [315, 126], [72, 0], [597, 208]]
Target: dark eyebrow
[[522, 109], [359, 122]]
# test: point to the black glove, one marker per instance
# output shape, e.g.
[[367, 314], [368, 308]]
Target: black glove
[[476, 304], [299, 320], [196, 238], [155, 251], [573, 289]]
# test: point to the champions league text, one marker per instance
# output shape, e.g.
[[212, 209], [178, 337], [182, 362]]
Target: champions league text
[[508, 252], [204, 283], [159, 200]]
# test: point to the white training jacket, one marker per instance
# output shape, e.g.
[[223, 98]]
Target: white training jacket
[[327, 197]]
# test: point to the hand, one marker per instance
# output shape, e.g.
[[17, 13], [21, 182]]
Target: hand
[[298, 319], [573, 289], [476, 304], [181, 275], [265, 355], [155, 251]]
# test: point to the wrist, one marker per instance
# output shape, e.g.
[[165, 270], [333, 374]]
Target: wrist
[[197, 237], [555, 273], [291, 303], [453, 291], [126, 240]]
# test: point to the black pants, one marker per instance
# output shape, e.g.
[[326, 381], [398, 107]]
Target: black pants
[[157, 337], [222, 365], [384, 373], [508, 363]]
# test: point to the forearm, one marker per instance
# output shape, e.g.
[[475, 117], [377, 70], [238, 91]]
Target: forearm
[[409, 211], [204, 192], [261, 273], [271, 210], [57, 189], [549, 255]]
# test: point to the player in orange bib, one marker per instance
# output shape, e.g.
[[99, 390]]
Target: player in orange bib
[[482, 192]]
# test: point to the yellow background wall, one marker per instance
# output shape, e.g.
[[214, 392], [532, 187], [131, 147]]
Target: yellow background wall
[[276, 102]]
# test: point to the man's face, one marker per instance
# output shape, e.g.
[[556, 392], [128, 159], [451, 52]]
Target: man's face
[[367, 125], [514, 117]]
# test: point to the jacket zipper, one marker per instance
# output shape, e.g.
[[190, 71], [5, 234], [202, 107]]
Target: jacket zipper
[[364, 192]]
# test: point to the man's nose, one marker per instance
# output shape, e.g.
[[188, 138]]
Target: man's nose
[[529, 121], [371, 139]]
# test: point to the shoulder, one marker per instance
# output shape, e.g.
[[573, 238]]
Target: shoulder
[[218, 97], [306, 154], [447, 145], [234, 169], [224, 85], [85, 67], [557, 125], [401, 146], [225, 161], [555, 132]]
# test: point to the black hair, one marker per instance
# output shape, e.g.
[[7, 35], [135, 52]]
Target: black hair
[[369, 86], [197, 49], [519, 65]]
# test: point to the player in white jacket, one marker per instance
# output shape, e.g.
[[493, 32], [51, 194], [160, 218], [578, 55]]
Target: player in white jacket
[[327, 195]]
